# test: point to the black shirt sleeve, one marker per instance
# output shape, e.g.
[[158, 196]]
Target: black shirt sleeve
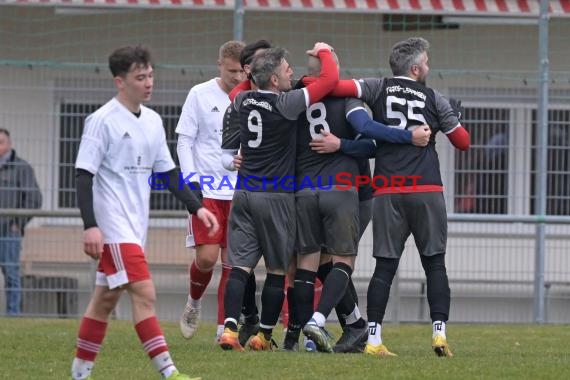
[[183, 193], [84, 190]]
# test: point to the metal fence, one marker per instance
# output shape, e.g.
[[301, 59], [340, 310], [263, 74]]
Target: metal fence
[[508, 198]]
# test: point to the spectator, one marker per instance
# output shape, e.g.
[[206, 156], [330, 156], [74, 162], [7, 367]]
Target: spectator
[[18, 189]]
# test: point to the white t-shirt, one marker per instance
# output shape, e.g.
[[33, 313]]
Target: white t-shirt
[[200, 143], [122, 151]]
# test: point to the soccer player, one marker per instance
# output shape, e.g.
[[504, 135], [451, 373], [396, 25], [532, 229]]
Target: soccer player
[[262, 221], [414, 204], [230, 142], [328, 216], [123, 143], [199, 151]]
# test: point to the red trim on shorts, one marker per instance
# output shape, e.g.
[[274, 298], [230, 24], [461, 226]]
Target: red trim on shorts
[[221, 209], [409, 189]]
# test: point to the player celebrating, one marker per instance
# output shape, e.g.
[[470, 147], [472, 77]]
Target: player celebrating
[[263, 212], [230, 143], [328, 217], [122, 144], [417, 206], [199, 150]]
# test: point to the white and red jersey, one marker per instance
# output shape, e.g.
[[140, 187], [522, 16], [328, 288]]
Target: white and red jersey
[[199, 150], [122, 150]]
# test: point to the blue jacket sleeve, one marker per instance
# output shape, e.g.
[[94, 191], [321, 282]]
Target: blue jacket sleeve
[[363, 123], [359, 148]]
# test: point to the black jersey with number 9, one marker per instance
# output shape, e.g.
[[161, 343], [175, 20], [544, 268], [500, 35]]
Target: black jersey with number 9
[[268, 124]]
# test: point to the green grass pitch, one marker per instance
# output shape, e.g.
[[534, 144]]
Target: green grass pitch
[[44, 349]]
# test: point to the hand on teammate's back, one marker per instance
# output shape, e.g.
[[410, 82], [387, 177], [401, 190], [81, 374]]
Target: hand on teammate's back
[[328, 143], [421, 135], [209, 220]]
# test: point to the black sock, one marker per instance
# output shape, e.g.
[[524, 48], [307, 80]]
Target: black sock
[[272, 297], [293, 323], [379, 288], [234, 295], [346, 305], [438, 292], [304, 294], [352, 290], [249, 307], [334, 288], [324, 270]]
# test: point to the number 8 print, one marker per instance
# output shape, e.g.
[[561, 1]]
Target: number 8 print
[[314, 123]]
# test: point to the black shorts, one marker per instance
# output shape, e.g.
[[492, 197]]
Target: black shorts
[[364, 215], [395, 216], [329, 219], [261, 224]]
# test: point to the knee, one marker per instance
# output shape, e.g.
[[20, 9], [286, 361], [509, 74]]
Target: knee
[[108, 302], [435, 263], [385, 268], [206, 262], [145, 300]]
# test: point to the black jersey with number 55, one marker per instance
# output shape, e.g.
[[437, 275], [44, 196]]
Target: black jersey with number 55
[[403, 103]]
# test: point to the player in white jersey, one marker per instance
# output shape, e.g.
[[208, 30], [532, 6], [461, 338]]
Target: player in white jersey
[[199, 151], [123, 150]]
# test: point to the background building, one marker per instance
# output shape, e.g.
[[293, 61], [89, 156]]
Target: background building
[[485, 52]]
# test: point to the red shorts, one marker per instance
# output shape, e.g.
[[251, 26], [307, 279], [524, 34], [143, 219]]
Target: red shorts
[[121, 264], [197, 229]]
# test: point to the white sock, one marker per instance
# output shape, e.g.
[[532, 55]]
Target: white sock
[[354, 316], [164, 364], [194, 303], [232, 320], [220, 331], [374, 333], [438, 328], [81, 369], [319, 319]]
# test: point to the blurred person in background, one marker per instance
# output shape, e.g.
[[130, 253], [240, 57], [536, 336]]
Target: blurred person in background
[[18, 190]]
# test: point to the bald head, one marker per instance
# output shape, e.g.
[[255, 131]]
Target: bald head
[[314, 65]]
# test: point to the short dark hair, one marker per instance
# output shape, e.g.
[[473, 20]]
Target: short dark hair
[[249, 50], [122, 59], [407, 53], [265, 64], [5, 131]]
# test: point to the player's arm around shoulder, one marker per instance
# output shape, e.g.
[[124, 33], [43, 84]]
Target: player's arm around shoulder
[[328, 77]]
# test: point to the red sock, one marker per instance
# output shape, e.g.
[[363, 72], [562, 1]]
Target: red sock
[[318, 292], [226, 269], [89, 339], [150, 335], [285, 310], [199, 280]]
